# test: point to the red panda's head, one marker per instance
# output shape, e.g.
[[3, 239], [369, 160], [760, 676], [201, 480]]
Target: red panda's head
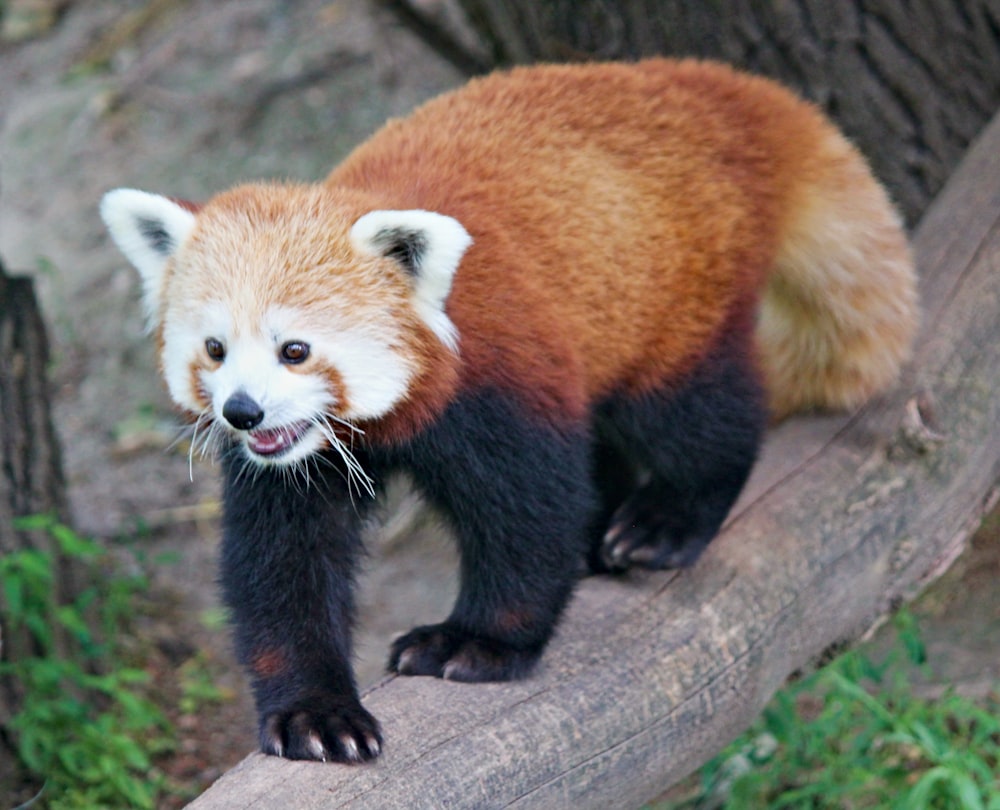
[[288, 314]]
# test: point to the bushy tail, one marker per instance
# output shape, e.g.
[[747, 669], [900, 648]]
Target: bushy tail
[[840, 311]]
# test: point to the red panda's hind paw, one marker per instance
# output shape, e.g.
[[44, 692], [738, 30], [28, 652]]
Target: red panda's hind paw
[[643, 534], [326, 728], [447, 651]]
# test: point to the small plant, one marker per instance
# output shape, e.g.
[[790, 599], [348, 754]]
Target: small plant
[[84, 726], [198, 687], [854, 735]]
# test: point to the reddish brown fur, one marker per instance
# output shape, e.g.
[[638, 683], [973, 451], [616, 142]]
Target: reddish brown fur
[[269, 662], [671, 187], [624, 219], [635, 228]]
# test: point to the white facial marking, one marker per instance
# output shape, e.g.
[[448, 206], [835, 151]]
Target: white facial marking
[[375, 378], [358, 366], [301, 408]]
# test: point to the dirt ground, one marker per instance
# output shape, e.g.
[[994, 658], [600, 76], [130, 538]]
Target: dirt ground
[[187, 100]]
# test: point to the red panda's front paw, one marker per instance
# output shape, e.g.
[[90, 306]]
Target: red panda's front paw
[[324, 728], [446, 651]]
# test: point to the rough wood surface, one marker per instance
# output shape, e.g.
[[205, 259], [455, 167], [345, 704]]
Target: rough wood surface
[[30, 475], [650, 675], [31, 479]]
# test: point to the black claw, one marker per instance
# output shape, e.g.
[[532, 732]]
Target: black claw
[[445, 651], [645, 533]]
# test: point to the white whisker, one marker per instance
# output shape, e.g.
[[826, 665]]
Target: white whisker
[[192, 447], [207, 437], [329, 417], [201, 441], [357, 479]]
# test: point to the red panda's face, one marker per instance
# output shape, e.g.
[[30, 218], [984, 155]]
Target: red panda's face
[[282, 380], [285, 321]]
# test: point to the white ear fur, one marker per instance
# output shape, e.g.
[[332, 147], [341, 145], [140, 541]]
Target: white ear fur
[[148, 229], [429, 246]]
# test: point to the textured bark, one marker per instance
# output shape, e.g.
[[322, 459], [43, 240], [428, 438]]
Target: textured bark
[[31, 479], [910, 81], [652, 674]]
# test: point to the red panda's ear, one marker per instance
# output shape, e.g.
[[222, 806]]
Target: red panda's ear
[[148, 229], [429, 247]]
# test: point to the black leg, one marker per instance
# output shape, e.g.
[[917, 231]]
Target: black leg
[[520, 496], [616, 478], [288, 559], [695, 447]]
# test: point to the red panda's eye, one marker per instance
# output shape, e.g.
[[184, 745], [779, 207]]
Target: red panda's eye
[[294, 352], [215, 349]]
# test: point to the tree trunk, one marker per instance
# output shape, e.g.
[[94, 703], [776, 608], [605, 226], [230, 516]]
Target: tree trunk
[[31, 480], [910, 81], [650, 675]]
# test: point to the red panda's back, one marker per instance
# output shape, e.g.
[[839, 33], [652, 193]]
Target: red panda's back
[[620, 214]]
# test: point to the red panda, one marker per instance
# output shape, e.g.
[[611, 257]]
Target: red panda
[[564, 298]]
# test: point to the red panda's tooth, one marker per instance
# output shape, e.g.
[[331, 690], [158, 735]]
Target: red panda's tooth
[[268, 441]]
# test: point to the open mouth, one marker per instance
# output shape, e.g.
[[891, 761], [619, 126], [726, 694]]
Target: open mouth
[[275, 441]]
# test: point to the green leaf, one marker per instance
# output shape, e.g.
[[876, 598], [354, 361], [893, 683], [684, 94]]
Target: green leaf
[[920, 796], [70, 757], [13, 591], [135, 757], [34, 566], [139, 795], [929, 741], [132, 675], [71, 619], [968, 792], [73, 545], [40, 629], [909, 636], [855, 692], [32, 523]]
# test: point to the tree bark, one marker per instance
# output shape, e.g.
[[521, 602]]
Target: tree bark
[[910, 82], [651, 674], [31, 480]]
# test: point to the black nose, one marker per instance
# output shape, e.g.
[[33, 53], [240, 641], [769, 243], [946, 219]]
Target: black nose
[[242, 412]]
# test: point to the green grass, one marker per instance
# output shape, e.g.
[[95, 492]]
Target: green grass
[[857, 735], [86, 728]]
